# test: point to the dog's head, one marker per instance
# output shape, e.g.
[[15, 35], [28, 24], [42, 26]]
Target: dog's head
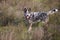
[[27, 12]]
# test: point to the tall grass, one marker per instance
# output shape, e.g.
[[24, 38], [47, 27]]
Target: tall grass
[[13, 10]]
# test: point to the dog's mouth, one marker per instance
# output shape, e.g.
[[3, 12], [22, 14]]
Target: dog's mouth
[[28, 17]]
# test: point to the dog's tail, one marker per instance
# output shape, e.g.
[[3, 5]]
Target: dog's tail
[[52, 11]]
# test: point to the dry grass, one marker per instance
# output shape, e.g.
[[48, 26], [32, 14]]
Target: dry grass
[[14, 9]]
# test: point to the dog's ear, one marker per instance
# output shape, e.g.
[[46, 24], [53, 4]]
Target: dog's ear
[[29, 9], [25, 9]]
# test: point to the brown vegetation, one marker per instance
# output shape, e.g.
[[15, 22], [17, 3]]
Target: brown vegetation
[[13, 27]]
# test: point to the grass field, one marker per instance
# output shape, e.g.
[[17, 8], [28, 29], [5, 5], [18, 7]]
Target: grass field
[[13, 9]]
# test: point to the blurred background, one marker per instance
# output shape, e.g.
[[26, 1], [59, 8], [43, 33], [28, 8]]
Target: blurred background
[[13, 26]]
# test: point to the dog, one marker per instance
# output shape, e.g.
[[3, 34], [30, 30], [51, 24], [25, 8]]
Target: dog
[[33, 17]]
